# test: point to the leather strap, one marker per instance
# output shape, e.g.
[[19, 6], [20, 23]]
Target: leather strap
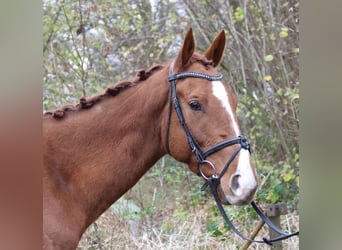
[[214, 182]]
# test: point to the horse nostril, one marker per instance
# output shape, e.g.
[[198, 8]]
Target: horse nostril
[[235, 182]]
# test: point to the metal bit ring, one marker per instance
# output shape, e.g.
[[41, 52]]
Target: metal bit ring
[[211, 165]]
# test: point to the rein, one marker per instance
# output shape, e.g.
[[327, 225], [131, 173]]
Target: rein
[[214, 180]]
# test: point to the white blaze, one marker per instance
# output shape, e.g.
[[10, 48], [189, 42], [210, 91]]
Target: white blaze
[[247, 180], [220, 92]]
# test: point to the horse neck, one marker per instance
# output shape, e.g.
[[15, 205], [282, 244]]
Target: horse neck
[[102, 152]]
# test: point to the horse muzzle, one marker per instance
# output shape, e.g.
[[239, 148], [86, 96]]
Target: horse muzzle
[[244, 197]]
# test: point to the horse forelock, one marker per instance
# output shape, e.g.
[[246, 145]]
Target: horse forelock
[[196, 57], [86, 103]]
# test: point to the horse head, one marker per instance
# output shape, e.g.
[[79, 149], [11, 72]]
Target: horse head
[[202, 129]]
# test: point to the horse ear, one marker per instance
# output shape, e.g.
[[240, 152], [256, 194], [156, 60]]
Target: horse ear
[[186, 51], [215, 51]]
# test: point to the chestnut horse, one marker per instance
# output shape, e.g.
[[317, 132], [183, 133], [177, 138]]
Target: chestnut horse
[[97, 150]]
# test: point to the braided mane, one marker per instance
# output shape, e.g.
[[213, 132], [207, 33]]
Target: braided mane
[[86, 103], [141, 75]]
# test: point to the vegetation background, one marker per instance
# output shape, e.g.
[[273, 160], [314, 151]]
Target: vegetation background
[[89, 45]]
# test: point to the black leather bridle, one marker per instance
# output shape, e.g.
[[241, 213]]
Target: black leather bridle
[[214, 180], [193, 144]]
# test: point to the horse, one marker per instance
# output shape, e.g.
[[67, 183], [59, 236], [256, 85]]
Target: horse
[[96, 150]]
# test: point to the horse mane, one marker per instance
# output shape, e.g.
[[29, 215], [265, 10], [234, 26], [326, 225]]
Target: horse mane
[[86, 103], [141, 75]]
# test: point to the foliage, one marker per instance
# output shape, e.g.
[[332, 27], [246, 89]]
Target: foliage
[[89, 45]]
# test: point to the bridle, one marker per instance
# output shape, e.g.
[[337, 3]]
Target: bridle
[[215, 179], [193, 144]]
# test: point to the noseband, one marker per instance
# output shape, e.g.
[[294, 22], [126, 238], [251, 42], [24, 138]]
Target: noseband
[[214, 180]]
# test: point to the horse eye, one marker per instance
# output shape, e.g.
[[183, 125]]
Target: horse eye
[[195, 105]]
